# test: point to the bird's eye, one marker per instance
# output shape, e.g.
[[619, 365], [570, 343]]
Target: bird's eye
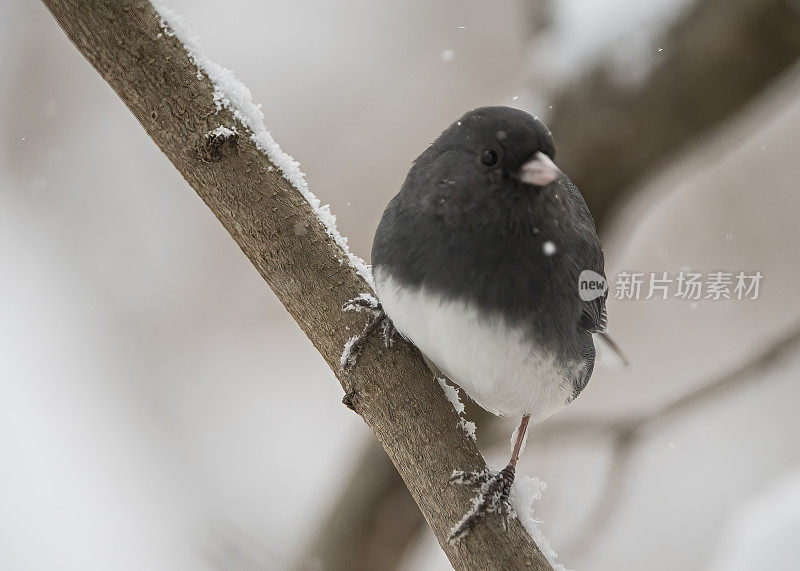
[[488, 157]]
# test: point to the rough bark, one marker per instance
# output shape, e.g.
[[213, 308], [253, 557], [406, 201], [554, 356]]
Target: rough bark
[[275, 227]]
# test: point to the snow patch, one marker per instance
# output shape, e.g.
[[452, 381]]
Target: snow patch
[[452, 395], [232, 94], [525, 491], [223, 131], [348, 357], [469, 427]]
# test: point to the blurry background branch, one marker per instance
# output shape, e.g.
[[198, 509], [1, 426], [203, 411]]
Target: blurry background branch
[[625, 434], [716, 57], [280, 233], [610, 130]]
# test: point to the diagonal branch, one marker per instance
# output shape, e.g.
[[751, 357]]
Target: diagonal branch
[[222, 151]]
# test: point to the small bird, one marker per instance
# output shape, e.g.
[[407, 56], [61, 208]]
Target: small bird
[[477, 262]]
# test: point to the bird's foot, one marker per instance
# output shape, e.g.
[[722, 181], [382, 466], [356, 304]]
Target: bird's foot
[[494, 489], [364, 302], [352, 349]]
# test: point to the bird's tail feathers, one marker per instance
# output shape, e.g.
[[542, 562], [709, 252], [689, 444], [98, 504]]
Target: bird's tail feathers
[[609, 353]]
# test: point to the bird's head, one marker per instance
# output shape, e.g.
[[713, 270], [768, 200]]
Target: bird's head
[[496, 148], [494, 166]]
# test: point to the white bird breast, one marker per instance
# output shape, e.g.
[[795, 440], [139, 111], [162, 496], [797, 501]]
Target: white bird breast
[[497, 365]]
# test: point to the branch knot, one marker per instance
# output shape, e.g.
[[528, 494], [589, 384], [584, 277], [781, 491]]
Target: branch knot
[[218, 144]]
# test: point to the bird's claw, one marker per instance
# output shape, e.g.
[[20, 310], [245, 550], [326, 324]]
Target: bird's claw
[[492, 497], [364, 302], [477, 478], [388, 332], [354, 346]]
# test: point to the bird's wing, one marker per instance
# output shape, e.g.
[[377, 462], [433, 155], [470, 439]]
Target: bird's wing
[[593, 317], [588, 256], [593, 313], [595, 320]]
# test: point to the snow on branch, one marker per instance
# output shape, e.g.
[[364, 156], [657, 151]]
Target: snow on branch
[[526, 491], [453, 396], [232, 94]]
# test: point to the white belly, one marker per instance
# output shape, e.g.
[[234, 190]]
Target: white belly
[[498, 366]]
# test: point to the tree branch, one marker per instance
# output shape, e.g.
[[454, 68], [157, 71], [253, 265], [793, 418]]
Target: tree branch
[[279, 232], [717, 56]]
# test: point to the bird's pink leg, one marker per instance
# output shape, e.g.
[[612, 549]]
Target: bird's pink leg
[[495, 488]]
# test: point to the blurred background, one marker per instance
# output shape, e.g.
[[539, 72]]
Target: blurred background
[[160, 410]]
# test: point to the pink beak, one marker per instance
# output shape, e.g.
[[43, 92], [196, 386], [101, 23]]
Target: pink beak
[[539, 170]]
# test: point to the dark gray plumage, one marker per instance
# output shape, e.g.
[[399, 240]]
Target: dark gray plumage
[[469, 231], [477, 261]]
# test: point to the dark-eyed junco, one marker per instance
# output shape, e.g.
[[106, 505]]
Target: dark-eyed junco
[[477, 261]]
